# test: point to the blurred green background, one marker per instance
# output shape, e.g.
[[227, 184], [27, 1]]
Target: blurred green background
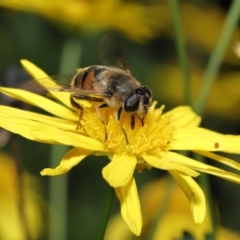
[[59, 36]]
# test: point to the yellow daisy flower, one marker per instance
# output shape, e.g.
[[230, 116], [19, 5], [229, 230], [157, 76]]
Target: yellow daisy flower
[[149, 146]]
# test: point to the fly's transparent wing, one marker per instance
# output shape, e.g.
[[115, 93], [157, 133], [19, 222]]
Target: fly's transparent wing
[[58, 83], [111, 53], [54, 83]]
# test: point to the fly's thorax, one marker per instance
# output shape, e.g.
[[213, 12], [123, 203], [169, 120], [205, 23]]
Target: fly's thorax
[[120, 84], [117, 84]]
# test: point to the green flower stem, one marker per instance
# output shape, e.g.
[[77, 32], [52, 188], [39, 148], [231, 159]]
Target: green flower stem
[[175, 10], [58, 194], [107, 211], [217, 56], [58, 198]]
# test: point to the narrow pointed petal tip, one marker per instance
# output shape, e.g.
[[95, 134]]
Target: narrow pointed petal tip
[[130, 206], [38, 74], [32, 69], [194, 194]]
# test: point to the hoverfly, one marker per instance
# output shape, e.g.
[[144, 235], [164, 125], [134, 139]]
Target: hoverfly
[[111, 85]]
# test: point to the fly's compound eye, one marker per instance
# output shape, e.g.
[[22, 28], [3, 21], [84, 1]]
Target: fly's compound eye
[[144, 91], [132, 103]]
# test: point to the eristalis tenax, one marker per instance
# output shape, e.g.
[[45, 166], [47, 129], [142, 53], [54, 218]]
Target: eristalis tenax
[[111, 85]]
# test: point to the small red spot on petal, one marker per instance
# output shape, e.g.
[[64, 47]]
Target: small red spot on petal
[[216, 145]]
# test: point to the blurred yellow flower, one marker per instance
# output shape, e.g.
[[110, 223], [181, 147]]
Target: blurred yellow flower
[[136, 20], [226, 84], [175, 211], [149, 146], [11, 222]]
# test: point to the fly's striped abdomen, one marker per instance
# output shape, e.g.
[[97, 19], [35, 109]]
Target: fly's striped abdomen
[[88, 77]]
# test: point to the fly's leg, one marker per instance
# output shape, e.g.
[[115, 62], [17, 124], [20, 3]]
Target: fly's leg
[[118, 117], [132, 122], [102, 121], [78, 106]]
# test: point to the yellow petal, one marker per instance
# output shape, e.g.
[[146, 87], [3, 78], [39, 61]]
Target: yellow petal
[[41, 102], [227, 161], [183, 116], [202, 167], [60, 136], [130, 206], [12, 115], [203, 139], [165, 164], [22, 127], [39, 75], [71, 159], [120, 170], [194, 194], [46, 133]]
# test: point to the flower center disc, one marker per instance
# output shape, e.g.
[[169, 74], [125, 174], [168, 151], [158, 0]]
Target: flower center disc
[[152, 138]]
